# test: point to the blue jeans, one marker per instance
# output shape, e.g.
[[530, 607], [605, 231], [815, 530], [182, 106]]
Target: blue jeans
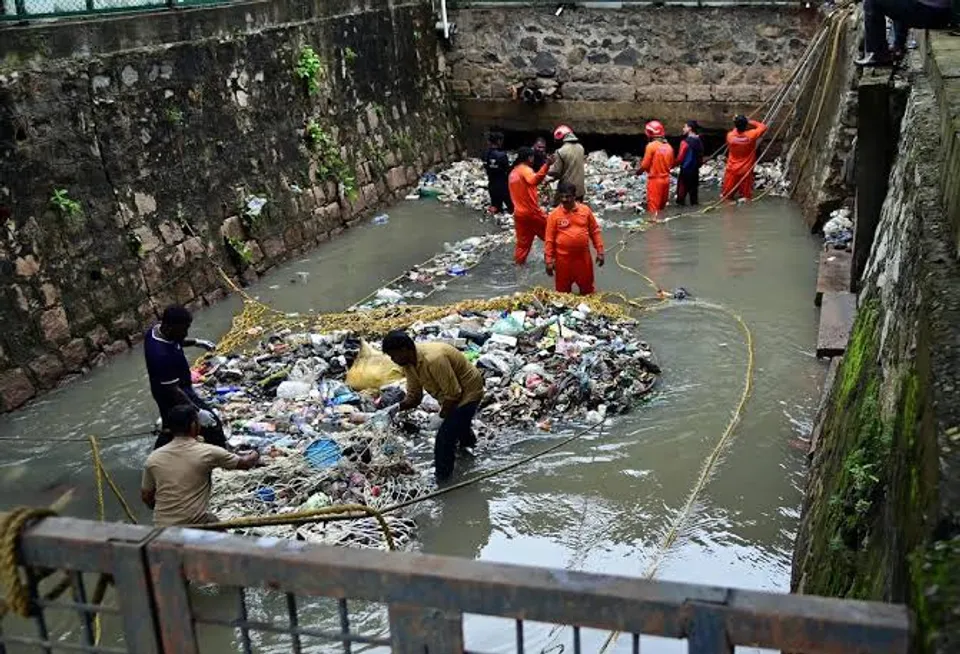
[[455, 429]]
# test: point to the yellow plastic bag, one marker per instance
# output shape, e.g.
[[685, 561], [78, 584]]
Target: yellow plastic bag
[[372, 369]]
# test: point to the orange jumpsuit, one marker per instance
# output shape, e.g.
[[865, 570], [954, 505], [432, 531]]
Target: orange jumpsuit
[[657, 162], [742, 157], [567, 247], [529, 220]]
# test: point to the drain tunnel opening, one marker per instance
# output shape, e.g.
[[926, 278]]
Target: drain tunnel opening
[[613, 144]]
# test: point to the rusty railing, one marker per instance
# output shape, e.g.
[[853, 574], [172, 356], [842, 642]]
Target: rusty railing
[[175, 588]]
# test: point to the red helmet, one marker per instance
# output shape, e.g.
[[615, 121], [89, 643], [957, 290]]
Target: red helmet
[[561, 132], [654, 129]]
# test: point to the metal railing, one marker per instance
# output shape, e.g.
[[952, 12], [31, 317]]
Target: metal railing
[[163, 594], [18, 10]]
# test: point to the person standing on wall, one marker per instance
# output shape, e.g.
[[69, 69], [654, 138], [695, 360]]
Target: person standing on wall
[[689, 159], [570, 160], [741, 158], [921, 14], [170, 382], [529, 219], [571, 228], [657, 163], [443, 371], [497, 165]]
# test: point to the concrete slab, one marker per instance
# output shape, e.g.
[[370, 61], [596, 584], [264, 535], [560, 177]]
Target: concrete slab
[[837, 313], [834, 273]]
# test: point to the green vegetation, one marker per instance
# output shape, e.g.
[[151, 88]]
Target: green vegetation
[[309, 68], [240, 249], [935, 573], [70, 210], [136, 244], [174, 116], [349, 55], [330, 163]]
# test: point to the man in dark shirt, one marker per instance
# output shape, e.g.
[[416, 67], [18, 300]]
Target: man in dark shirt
[[169, 373], [497, 165], [690, 159], [539, 153]]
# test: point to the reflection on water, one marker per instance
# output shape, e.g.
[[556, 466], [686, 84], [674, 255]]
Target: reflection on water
[[602, 503]]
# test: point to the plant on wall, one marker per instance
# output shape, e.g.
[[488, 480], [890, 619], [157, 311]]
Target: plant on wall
[[70, 210], [240, 249], [349, 55], [309, 68], [330, 163], [174, 116]]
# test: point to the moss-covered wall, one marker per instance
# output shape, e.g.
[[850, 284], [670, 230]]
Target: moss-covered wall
[[879, 520]]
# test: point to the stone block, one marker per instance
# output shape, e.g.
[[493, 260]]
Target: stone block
[[330, 217], [27, 266], [601, 92], [15, 389], [293, 237], [74, 354], [116, 348], [47, 370], [396, 178], [370, 196], [54, 325], [272, 247], [50, 294], [193, 248], [124, 325], [833, 273], [171, 232], [98, 337], [176, 257], [256, 254], [149, 241], [837, 313]]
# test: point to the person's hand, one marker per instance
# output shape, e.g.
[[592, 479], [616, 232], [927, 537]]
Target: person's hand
[[206, 418], [551, 159], [600, 260], [549, 270], [209, 346], [393, 411]]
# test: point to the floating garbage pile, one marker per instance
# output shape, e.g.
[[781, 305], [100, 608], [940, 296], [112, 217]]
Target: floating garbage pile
[[313, 404], [611, 180], [838, 231], [423, 280]]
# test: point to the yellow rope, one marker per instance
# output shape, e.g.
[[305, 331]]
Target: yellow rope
[[101, 470], [18, 595]]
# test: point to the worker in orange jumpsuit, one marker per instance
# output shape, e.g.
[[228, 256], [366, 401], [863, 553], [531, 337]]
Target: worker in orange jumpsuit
[[571, 227], [529, 219], [657, 162], [741, 158]]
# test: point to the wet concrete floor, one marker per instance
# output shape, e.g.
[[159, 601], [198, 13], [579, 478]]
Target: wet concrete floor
[[602, 504]]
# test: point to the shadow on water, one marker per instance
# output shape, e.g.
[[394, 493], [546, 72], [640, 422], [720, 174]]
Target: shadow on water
[[603, 503]]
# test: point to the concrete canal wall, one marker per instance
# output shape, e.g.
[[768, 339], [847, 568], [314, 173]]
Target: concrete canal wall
[[881, 518], [132, 148], [608, 71]]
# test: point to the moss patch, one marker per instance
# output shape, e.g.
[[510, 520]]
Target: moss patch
[[935, 571]]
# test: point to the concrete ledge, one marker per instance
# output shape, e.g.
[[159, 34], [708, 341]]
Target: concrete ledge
[[837, 314], [943, 66], [833, 275]]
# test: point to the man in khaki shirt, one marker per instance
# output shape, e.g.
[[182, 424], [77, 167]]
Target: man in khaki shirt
[[446, 374], [569, 165], [176, 480]]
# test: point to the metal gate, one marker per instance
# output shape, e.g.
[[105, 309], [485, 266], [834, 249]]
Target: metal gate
[[164, 578]]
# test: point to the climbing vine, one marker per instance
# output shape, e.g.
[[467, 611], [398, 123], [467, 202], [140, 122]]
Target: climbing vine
[[309, 68], [240, 249], [330, 163], [69, 210]]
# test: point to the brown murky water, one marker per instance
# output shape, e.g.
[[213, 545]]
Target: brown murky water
[[604, 503]]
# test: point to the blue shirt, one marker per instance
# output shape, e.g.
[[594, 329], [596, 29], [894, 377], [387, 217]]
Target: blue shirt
[[693, 154], [167, 368]]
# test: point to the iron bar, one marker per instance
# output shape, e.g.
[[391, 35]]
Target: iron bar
[[294, 621], [519, 636], [49, 645], [242, 622], [80, 599], [270, 628], [39, 618], [344, 623]]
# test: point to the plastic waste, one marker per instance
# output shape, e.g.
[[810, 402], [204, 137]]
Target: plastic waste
[[389, 295], [507, 326], [372, 369], [322, 453], [382, 219], [293, 390], [266, 494], [316, 501], [255, 206]]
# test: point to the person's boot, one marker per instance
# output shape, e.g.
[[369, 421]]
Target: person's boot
[[873, 59]]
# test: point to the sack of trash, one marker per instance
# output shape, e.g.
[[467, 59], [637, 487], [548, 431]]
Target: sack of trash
[[372, 369]]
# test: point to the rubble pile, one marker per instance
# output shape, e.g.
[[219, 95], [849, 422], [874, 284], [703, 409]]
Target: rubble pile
[[612, 182], [314, 405]]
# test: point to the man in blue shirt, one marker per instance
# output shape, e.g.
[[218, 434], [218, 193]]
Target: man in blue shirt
[[497, 165], [689, 159], [169, 373]]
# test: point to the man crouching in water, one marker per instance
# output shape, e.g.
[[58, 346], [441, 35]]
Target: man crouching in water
[[446, 374]]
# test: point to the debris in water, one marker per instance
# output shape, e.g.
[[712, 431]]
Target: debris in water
[[382, 219], [838, 232]]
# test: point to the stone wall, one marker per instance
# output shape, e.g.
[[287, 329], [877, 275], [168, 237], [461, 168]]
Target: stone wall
[[128, 169], [609, 70], [880, 519]]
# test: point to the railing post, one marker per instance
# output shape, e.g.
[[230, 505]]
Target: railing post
[[131, 576], [707, 631], [420, 630], [171, 598]]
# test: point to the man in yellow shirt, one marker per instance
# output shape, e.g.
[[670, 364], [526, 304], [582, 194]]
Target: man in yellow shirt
[[445, 373], [176, 479]]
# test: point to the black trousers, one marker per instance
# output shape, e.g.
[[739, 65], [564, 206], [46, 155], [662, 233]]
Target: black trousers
[[213, 435], [500, 196], [688, 183], [455, 429], [904, 14]]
